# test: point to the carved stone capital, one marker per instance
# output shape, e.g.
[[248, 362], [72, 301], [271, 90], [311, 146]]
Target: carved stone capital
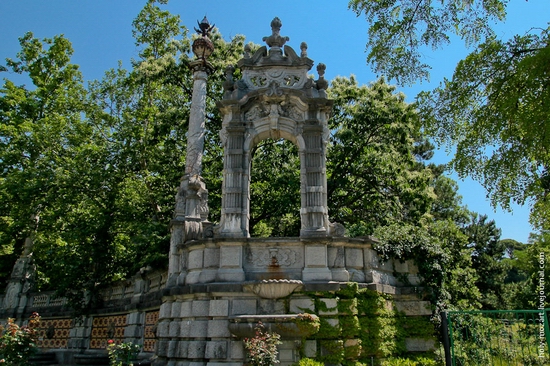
[[201, 65]]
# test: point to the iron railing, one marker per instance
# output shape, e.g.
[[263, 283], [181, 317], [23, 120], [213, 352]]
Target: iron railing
[[496, 337]]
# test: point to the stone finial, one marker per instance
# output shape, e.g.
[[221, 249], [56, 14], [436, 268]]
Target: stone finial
[[303, 47], [229, 84], [322, 84], [321, 68], [275, 39], [247, 51], [204, 27]]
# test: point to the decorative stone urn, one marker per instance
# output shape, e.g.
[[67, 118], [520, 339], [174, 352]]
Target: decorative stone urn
[[274, 289]]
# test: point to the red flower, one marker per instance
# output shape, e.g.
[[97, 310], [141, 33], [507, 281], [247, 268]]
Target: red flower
[[110, 341]]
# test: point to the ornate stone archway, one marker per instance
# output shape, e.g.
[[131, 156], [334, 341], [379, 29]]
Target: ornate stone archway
[[275, 99]]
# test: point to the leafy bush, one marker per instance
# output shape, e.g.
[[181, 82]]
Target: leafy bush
[[419, 361], [309, 362], [121, 354], [262, 348], [17, 344]]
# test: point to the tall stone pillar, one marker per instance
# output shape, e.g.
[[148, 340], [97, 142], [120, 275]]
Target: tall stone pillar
[[19, 283], [191, 213]]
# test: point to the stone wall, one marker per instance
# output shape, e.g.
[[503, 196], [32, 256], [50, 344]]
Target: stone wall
[[202, 317], [129, 313], [225, 286]]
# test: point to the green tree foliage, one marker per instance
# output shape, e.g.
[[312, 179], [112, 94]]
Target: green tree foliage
[[40, 131], [100, 167], [440, 250], [494, 109], [400, 29], [373, 176], [528, 271], [448, 205], [488, 252], [275, 189]]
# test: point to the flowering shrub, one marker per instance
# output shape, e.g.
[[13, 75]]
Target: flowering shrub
[[262, 348], [17, 344], [121, 354]]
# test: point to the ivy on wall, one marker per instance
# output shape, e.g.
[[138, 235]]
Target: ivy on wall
[[363, 327]]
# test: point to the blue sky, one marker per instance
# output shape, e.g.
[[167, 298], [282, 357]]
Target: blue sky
[[101, 33]]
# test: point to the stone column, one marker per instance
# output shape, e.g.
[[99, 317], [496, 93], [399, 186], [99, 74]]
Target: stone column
[[314, 211], [191, 212], [195, 134], [19, 283]]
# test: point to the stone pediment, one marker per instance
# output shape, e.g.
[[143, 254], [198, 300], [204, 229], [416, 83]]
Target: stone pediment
[[263, 57]]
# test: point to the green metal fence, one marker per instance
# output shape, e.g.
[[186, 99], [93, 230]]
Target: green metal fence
[[499, 337]]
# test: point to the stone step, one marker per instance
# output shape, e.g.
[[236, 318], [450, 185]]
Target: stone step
[[95, 360], [45, 358]]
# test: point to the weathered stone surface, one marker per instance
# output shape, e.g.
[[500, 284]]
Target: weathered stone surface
[[243, 307], [174, 329], [354, 258], [316, 255], [219, 308], [176, 309], [236, 350], [310, 349], [218, 328], [400, 267], [216, 350], [414, 308], [186, 309], [132, 331], [211, 257], [419, 344], [316, 274], [287, 351], [201, 307], [181, 351], [271, 306], [165, 310], [356, 275], [172, 349], [331, 305], [162, 348], [198, 329], [163, 328], [134, 318], [380, 277], [298, 306], [196, 349], [185, 328], [339, 274], [195, 258], [231, 256]]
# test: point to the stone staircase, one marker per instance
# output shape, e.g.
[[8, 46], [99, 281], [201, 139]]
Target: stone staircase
[[46, 358]]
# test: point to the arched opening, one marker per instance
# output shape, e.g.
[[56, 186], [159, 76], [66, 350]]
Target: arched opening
[[275, 189]]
